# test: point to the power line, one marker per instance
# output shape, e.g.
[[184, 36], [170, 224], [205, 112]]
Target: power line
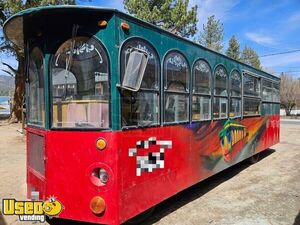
[[290, 71], [280, 53]]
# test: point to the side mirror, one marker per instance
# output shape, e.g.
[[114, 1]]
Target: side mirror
[[135, 69]]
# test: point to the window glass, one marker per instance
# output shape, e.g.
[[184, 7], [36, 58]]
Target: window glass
[[141, 108], [276, 92], [4, 100], [251, 106], [267, 90], [151, 76], [80, 85], [220, 108], [220, 81], [236, 84], [201, 108], [176, 70], [235, 107], [36, 101], [251, 85], [202, 77], [176, 107], [176, 80]]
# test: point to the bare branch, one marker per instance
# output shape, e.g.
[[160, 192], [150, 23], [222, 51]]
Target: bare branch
[[10, 67], [8, 48], [289, 92], [9, 72]]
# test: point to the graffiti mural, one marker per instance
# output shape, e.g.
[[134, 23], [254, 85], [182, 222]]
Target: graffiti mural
[[231, 134], [224, 143]]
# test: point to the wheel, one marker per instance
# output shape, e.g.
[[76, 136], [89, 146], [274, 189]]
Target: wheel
[[253, 159], [141, 217]]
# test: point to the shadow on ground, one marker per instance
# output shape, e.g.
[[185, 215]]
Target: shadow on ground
[[2, 220], [297, 219], [196, 191], [182, 198]]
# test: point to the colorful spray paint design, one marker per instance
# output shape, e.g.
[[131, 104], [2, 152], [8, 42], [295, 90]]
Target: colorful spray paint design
[[231, 137], [224, 143]]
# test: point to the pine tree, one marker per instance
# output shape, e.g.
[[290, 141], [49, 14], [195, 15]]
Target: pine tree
[[233, 50], [212, 34], [250, 57], [7, 9], [172, 15]]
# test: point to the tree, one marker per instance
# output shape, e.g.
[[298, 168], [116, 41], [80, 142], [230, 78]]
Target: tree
[[7, 9], [250, 57], [172, 15], [212, 34], [233, 50], [289, 92]]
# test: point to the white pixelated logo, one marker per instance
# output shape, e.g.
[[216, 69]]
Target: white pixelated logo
[[152, 161]]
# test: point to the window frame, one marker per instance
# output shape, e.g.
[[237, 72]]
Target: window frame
[[234, 96], [269, 104], [252, 98], [256, 77], [199, 94], [258, 97], [273, 83], [29, 49], [142, 89], [165, 91], [218, 95], [262, 88], [54, 49]]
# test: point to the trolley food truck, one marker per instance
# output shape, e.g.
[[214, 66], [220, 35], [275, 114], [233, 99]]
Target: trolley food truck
[[123, 115]]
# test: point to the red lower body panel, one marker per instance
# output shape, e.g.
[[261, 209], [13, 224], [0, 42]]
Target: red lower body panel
[[145, 166], [197, 151]]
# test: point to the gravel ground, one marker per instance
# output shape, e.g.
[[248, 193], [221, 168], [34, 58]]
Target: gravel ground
[[266, 193]]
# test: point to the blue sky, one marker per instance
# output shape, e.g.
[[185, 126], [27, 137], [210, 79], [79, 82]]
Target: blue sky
[[267, 26]]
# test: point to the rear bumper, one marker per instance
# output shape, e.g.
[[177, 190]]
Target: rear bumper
[[69, 159]]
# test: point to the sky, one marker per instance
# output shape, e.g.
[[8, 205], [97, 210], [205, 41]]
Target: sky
[[269, 27]]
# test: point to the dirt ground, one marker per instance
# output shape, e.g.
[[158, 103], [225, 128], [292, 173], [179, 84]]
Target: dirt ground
[[266, 193]]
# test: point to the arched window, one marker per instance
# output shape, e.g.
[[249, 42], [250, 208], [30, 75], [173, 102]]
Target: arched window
[[141, 108], [236, 84], [78, 68], [221, 79], [236, 91], [220, 106], [176, 86], [36, 101], [201, 91]]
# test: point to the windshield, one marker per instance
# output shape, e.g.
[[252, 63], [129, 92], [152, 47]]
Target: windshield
[[4, 100], [36, 101], [80, 85]]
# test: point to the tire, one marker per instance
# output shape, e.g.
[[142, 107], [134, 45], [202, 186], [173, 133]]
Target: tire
[[253, 159]]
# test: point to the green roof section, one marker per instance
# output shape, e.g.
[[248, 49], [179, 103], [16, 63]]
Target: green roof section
[[15, 23]]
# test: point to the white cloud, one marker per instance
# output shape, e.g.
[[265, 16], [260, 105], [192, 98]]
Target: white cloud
[[260, 38], [208, 8], [295, 18], [281, 60], [293, 22]]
